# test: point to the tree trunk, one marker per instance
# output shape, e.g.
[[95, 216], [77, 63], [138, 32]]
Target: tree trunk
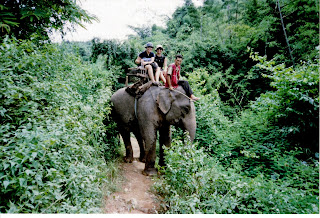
[[284, 31]]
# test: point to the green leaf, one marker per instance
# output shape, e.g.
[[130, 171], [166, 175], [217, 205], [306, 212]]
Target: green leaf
[[22, 181], [6, 183], [6, 165], [28, 172], [11, 23]]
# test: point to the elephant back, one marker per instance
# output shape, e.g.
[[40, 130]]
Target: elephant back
[[123, 106]]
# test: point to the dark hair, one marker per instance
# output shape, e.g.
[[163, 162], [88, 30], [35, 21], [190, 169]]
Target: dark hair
[[179, 56]]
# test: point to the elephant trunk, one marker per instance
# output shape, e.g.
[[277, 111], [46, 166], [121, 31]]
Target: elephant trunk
[[190, 125], [192, 132]]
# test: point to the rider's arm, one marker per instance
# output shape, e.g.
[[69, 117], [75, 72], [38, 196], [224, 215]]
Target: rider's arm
[[165, 65], [152, 60], [169, 78], [138, 60], [147, 62]]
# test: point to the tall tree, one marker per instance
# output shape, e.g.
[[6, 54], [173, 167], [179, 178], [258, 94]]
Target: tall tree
[[22, 18], [185, 20], [143, 31], [300, 19]]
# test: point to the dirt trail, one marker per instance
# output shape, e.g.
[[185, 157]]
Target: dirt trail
[[135, 196]]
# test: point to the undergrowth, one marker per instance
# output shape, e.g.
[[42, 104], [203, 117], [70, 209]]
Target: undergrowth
[[194, 182], [265, 159], [54, 146]]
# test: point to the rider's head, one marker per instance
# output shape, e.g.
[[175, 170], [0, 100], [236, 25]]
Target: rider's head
[[159, 49], [149, 46], [178, 60]]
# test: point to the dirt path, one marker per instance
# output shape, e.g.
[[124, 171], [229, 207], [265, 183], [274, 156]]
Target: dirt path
[[135, 196]]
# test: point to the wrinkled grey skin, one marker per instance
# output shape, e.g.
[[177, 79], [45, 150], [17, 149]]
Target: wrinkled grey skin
[[124, 115], [157, 110]]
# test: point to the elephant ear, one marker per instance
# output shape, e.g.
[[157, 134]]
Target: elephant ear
[[164, 100]]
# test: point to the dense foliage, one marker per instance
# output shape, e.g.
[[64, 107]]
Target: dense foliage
[[257, 143], [194, 182], [37, 17], [216, 37], [53, 141], [251, 164], [116, 53]]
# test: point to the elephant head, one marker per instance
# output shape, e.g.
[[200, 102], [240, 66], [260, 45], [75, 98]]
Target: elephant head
[[177, 109]]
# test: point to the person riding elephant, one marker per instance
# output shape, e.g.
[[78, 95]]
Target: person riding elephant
[[146, 60], [155, 111], [173, 78], [161, 60]]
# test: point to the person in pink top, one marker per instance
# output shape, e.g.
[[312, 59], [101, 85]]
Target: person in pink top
[[173, 76]]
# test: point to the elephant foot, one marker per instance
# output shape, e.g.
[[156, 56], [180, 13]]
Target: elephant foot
[[128, 159], [150, 172], [143, 159]]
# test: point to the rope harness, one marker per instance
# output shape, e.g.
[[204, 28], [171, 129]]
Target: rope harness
[[182, 94]]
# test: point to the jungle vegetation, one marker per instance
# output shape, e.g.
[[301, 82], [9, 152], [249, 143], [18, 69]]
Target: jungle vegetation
[[253, 63]]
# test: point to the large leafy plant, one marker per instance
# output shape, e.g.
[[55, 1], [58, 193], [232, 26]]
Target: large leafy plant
[[194, 182], [52, 138], [294, 104]]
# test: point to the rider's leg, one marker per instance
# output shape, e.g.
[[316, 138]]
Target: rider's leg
[[185, 85], [157, 74], [150, 72], [162, 76]]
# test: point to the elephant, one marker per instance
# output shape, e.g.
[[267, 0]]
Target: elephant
[[156, 110], [123, 114]]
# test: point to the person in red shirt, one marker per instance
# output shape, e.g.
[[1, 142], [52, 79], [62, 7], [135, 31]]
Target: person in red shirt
[[173, 76]]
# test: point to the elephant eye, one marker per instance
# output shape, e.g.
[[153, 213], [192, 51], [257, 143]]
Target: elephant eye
[[185, 109]]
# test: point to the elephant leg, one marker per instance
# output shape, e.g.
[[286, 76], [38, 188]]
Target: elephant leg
[[150, 152], [164, 139], [126, 139], [142, 157]]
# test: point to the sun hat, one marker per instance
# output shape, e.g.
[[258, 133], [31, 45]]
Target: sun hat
[[149, 44], [159, 46]]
